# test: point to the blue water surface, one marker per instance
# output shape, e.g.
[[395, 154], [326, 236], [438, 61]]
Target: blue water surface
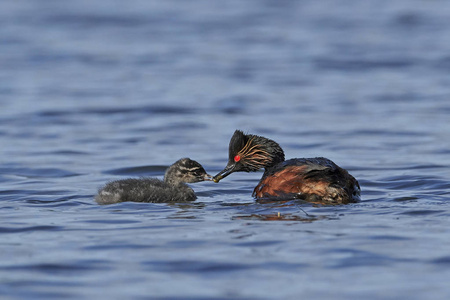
[[93, 91]]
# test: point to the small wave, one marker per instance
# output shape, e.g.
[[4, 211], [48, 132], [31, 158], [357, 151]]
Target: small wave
[[361, 64], [96, 20], [348, 258], [38, 172], [444, 260], [422, 212], [152, 109], [138, 171], [112, 246], [187, 266], [30, 229], [69, 267], [413, 182]]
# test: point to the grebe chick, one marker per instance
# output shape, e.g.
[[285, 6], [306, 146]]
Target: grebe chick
[[152, 190], [316, 180]]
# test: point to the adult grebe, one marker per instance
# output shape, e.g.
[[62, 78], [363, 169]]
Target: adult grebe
[[312, 179]]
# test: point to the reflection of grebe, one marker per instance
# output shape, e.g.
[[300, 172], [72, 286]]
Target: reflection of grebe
[[279, 217], [172, 189], [312, 179]]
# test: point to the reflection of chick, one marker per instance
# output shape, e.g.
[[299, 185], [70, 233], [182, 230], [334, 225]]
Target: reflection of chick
[[172, 189]]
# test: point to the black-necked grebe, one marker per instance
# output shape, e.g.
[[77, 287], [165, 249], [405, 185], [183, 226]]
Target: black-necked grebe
[[312, 179], [153, 190]]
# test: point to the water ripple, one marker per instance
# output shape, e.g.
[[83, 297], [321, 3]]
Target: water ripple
[[39, 172], [194, 266], [362, 65], [422, 212], [350, 258], [30, 229], [138, 171], [82, 266]]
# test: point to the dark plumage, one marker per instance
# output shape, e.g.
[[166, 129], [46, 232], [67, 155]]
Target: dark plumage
[[172, 189], [311, 179]]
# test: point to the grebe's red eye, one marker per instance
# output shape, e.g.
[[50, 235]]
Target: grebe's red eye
[[237, 158]]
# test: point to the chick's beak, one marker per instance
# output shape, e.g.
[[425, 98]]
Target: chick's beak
[[224, 173], [207, 177]]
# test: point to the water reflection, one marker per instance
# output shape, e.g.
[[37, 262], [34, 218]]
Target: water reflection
[[279, 217], [186, 210]]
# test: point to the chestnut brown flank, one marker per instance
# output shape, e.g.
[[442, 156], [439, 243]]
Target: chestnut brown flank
[[291, 180]]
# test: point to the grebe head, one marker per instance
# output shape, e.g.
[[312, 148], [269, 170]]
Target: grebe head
[[249, 153], [186, 170]]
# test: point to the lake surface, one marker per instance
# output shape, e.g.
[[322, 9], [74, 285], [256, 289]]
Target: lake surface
[[93, 91]]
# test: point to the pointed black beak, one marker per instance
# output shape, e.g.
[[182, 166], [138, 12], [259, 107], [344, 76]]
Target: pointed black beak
[[224, 173]]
